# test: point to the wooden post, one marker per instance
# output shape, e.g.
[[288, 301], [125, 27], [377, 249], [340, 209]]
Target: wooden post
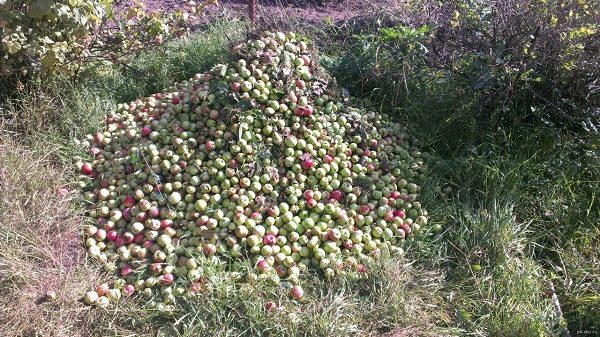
[[252, 10]]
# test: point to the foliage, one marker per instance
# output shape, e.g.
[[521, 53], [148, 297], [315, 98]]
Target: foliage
[[484, 63], [534, 55], [399, 48], [505, 97], [62, 109], [61, 36]]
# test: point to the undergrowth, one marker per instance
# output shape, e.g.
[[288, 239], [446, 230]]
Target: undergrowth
[[515, 172]]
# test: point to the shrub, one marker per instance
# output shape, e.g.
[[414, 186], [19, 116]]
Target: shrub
[[483, 65], [46, 37]]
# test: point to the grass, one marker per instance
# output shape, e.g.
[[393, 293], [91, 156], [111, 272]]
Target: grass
[[523, 212], [524, 208], [522, 204], [393, 295], [499, 288], [40, 248]]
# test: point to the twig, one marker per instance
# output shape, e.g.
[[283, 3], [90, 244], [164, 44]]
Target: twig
[[563, 329]]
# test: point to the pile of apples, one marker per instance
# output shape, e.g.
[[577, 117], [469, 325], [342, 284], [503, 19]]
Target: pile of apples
[[257, 161]]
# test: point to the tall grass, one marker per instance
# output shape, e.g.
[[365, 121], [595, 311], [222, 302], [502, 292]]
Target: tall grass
[[514, 188]]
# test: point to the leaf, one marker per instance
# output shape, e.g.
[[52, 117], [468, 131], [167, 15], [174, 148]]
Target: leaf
[[135, 158], [108, 7], [47, 40], [39, 8], [49, 60], [13, 47], [223, 70]]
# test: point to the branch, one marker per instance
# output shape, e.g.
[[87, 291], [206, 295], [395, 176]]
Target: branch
[[563, 330]]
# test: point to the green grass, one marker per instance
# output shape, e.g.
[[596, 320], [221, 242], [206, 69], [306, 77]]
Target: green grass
[[393, 295], [524, 206]]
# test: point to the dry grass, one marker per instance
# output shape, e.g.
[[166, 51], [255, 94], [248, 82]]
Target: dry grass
[[33, 112], [401, 297], [40, 248]]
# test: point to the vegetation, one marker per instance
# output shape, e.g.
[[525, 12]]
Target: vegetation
[[43, 37], [503, 96]]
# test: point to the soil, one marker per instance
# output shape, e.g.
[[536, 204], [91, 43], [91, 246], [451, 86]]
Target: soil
[[312, 11]]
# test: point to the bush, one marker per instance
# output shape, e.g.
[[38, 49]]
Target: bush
[[483, 64], [47, 37]]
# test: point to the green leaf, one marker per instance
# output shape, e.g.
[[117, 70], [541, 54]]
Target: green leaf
[[108, 7], [48, 61], [135, 158], [13, 47], [39, 8]]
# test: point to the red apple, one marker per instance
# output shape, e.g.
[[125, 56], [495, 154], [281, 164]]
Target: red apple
[[129, 290], [336, 195], [126, 270], [307, 163], [400, 213], [269, 240], [112, 235], [166, 279], [270, 306], [309, 194], [119, 241], [262, 266], [129, 201], [146, 130], [296, 292], [87, 169]]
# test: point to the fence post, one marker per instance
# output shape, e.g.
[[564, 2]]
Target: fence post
[[252, 10]]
